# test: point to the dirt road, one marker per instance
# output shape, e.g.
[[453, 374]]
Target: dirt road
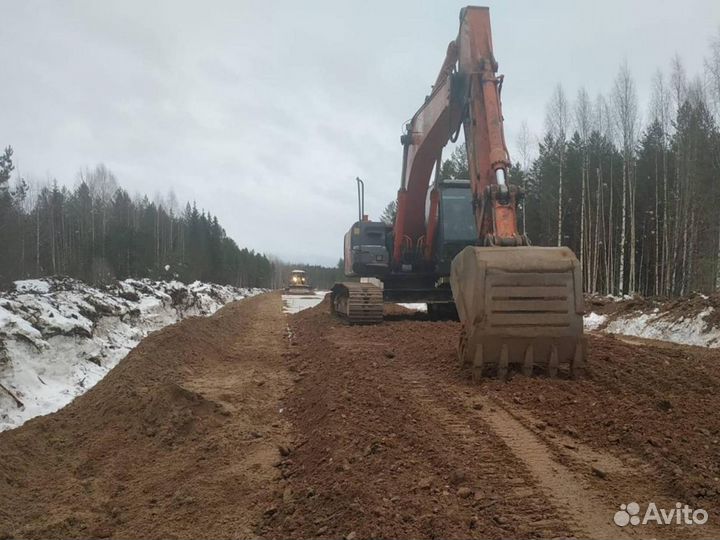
[[239, 425], [394, 440]]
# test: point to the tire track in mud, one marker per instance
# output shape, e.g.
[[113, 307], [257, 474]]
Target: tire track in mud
[[580, 510], [378, 443], [466, 424], [394, 432], [527, 491], [570, 460], [556, 465], [587, 510]]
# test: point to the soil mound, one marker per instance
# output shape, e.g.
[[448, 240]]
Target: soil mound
[[179, 428]]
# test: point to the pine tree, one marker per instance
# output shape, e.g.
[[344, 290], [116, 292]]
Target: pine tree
[[389, 213]]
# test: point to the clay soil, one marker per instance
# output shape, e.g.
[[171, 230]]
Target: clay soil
[[255, 424]]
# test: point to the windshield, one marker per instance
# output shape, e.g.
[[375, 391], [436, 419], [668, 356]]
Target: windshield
[[457, 215], [373, 235]]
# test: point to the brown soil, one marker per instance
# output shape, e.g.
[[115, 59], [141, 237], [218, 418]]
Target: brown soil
[[393, 440], [235, 426], [179, 440]]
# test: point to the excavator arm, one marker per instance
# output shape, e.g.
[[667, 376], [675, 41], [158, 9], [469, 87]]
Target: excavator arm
[[467, 92], [426, 134], [488, 160]]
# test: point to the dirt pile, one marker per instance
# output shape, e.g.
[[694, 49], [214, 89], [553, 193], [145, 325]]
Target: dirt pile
[[186, 423]]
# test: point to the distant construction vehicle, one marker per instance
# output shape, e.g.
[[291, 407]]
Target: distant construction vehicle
[[298, 283], [457, 245]]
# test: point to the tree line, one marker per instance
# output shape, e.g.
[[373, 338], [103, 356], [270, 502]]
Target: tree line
[[98, 232], [634, 193]]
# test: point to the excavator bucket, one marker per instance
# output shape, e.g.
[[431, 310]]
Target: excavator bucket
[[519, 306]]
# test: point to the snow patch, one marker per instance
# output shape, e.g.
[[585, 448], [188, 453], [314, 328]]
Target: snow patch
[[417, 306], [32, 285], [59, 336], [592, 320], [294, 303], [685, 330]]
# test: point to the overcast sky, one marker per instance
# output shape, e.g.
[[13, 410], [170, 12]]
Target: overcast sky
[[265, 112]]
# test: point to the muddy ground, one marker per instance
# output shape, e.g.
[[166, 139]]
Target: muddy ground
[[254, 424]]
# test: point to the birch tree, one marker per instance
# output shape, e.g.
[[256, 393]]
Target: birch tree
[[712, 71], [678, 85], [712, 74], [557, 120], [524, 144], [605, 127], [626, 119], [583, 114]]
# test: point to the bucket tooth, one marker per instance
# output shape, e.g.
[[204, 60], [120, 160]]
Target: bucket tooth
[[577, 368], [478, 363], [552, 367], [528, 362], [464, 350], [503, 363]]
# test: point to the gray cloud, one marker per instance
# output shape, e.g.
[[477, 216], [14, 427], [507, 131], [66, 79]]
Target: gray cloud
[[264, 113]]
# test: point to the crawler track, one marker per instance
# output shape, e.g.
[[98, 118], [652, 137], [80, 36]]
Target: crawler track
[[357, 303]]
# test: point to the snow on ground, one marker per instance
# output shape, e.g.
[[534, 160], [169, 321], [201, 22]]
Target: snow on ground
[[592, 321], [685, 330], [32, 285], [687, 321], [59, 336], [292, 303], [416, 306]]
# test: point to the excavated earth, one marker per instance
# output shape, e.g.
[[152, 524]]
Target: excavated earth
[[664, 308], [251, 423]]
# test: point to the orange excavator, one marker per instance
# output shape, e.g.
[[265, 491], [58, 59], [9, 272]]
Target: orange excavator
[[455, 244]]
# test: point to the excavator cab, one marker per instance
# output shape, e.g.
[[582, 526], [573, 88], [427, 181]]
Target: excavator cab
[[456, 223]]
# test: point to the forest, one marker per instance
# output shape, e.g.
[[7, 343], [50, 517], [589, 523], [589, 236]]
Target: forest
[[635, 193], [97, 232]]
